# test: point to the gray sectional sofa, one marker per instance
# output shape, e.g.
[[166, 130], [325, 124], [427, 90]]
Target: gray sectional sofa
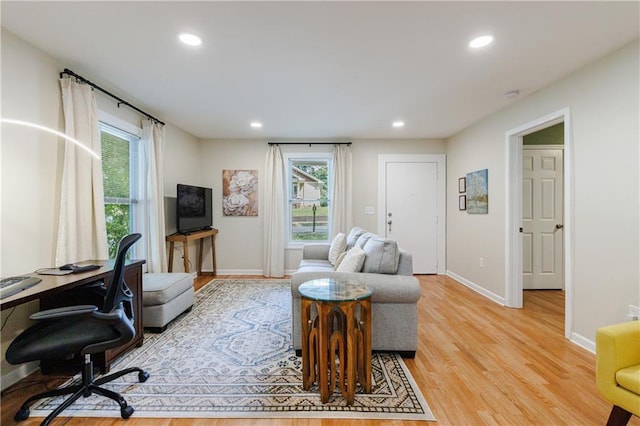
[[395, 293]]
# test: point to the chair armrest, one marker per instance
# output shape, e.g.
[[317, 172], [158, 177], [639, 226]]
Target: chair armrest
[[617, 347], [64, 312]]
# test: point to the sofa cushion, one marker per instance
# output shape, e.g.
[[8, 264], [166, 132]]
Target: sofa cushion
[[629, 378], [382, 256], [338, 246], [339, 260], [362, 239], [352, 261], [355, 233], [161, 288]]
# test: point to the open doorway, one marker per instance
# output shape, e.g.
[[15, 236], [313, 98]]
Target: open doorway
[[514, 254], [543, 209]]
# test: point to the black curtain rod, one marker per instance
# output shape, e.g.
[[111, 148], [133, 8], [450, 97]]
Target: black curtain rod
[[120, 101], [309, 143]]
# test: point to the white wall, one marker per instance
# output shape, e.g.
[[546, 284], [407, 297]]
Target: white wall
[[30, 173], [604, 115], [239, 242]]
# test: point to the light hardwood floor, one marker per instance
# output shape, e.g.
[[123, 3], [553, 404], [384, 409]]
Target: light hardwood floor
[[478, 363]]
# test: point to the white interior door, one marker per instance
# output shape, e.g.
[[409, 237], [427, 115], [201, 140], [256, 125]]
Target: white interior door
[[411, 211], [542, 211]]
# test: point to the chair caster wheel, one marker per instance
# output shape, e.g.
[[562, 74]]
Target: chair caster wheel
[[22, 414], [143, 376], [126, 412]]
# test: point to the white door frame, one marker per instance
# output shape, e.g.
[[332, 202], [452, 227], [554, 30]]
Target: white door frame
[[440, 159], [513, 207]]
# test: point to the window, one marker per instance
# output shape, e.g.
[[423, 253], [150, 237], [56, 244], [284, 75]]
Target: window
[[308, 212], [120, 171]]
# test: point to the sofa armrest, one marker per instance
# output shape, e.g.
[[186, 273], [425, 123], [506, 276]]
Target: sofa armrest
[[318, 251]]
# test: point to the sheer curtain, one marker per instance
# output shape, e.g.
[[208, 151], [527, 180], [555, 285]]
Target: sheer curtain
[[152, 196], [341, 196], [274, 226], [82, 232]]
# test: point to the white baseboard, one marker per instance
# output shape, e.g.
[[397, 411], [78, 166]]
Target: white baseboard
[[583, 342], [475, 287], [18, 374]]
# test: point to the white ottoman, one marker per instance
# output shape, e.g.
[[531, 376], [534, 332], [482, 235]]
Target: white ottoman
[[164, 297]]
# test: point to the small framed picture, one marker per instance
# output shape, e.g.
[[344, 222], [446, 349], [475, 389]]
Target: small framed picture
[[462, 202], [462, 184]]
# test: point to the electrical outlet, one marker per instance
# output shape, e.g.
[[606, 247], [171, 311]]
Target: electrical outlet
[[633, 313]]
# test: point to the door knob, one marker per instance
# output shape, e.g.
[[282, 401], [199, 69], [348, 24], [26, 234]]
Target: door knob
[[389, 223], [559, 226]]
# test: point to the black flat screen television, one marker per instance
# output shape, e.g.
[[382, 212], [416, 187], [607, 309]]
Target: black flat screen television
[[194, 208]]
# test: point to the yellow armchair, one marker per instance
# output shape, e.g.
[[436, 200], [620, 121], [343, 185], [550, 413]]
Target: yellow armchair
[[618, 369]]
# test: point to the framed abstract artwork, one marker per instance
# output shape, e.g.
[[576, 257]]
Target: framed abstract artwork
[[240, 192]]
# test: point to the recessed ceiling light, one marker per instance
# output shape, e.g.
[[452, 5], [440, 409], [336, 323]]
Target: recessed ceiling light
[[190, 39], [256, 124], [481, 41], [398, 123]]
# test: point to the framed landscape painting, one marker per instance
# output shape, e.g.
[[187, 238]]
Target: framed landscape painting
[[478, 192]]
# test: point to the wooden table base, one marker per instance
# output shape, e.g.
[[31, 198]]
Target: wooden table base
[[336, 346]]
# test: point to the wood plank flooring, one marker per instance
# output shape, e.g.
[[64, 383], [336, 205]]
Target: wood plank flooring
[[478, 364]]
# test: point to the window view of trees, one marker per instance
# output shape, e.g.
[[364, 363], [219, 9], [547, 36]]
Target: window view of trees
[[116, 161], [309, 200]]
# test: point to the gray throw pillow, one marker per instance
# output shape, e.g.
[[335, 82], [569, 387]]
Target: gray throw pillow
[[382, 256], [362, 239], [353, 236]]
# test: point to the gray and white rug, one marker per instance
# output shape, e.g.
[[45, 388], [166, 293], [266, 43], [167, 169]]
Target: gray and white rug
[[232, 357]]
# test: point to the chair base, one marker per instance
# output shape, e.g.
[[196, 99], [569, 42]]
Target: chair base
[[88, 387], [618, 416]]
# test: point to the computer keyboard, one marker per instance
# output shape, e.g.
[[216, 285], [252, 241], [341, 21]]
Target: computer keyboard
[[8, 282], [13, 285]]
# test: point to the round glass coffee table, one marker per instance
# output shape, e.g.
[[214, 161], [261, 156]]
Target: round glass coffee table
[[336, 336]]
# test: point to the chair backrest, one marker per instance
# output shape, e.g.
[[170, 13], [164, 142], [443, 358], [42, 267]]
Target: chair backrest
[[117, 292]]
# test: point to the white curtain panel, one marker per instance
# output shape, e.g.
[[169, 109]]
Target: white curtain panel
[[152, 198], [274, 225], [82, 233], [341, 205]]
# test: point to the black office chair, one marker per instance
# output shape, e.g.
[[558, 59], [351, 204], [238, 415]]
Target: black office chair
[[79, 331]]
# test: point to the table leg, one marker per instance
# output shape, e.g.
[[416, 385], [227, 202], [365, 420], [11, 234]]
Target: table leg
[[171, 256], [200, 256], [365, 312], [323, 350], [213, 254], [185, 249], [307, 377], [352, 345]]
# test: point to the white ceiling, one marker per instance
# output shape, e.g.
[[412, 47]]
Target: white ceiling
[[323, 69]]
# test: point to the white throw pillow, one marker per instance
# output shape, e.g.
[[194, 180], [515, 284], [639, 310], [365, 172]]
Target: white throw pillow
[[353, 260], [338, 245]]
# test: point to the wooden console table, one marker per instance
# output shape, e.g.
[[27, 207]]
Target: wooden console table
[[193, 236]]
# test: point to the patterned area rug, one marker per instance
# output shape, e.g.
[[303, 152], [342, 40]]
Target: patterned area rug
[[232, 357]]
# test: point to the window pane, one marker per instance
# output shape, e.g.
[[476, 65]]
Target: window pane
[[117, 218], [309, 222], [309, 206], [115, 166]]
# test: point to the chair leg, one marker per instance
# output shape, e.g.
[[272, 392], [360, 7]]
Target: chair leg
[[618, 417], [142, 375], [85, 389]]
